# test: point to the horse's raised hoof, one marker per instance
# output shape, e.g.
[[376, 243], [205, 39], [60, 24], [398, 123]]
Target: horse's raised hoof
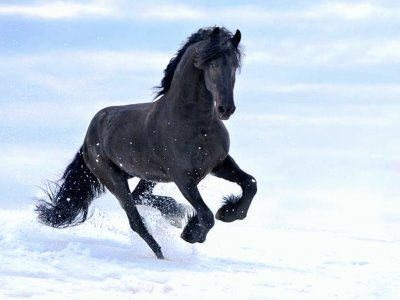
[[194, 232], [230, 211], [178, 216], [176, 222]]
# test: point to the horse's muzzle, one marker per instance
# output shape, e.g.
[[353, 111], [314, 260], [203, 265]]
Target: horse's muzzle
[[224, 112]]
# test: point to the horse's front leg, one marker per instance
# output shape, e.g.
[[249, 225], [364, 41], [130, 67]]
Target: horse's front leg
[[235, 207], [200, 223]]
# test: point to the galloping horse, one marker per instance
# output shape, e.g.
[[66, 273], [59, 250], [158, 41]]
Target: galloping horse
[[179, 137]]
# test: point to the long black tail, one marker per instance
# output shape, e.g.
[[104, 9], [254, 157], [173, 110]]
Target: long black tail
[[68, 200]]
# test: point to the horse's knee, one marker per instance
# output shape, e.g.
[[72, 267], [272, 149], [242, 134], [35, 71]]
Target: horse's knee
[[249, 186]]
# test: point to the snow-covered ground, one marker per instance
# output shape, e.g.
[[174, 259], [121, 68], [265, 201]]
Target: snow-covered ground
[[101, 260], [253, 259]]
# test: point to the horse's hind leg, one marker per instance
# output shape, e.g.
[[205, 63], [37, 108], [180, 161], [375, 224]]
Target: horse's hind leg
[[173, 211], [235, 208], [116, 182]]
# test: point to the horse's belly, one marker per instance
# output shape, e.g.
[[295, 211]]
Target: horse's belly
[[144, 168]]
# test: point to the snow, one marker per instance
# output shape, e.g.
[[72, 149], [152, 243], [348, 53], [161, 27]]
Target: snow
[[258, 258], [240, 261]]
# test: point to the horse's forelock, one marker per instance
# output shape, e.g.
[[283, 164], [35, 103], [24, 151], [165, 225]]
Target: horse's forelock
[[213, 48]]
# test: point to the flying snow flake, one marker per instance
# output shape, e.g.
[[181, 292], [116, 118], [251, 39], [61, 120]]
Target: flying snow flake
[[98, 144], [121, 165]]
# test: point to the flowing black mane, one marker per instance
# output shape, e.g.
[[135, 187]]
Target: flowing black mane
[[218, 44]]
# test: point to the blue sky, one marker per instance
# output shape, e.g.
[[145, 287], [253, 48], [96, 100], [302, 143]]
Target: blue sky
[[292, 46], [317, 97]]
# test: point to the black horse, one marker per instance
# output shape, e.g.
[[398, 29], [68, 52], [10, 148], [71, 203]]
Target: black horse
[[178, 138]]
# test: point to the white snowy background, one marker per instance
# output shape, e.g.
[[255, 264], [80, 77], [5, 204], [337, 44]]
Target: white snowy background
[[317, 123]]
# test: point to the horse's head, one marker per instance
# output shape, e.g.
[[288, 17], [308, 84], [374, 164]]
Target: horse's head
[[219, 72]]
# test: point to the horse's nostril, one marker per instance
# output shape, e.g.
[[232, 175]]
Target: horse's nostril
[[221, 109]]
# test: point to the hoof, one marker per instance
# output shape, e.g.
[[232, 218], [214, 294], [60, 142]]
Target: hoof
[[190, 238], [230, 212], [194, 232], [177, 217], [159, 255], [176, 222], [157, 251]]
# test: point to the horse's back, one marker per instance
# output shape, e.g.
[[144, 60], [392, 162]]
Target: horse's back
[[135, 111], [116, 122], [113, 117]]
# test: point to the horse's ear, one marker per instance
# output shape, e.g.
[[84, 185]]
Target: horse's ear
[[236, 38], [215, 31]]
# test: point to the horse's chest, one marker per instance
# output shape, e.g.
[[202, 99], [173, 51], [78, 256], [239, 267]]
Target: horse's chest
[[201, 153]]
